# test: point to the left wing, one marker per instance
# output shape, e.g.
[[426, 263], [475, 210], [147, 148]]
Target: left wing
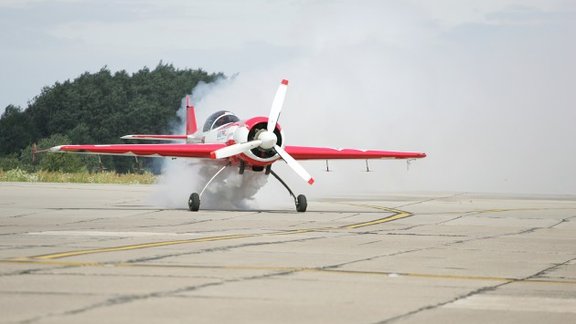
[[147, 150], [326, 153]]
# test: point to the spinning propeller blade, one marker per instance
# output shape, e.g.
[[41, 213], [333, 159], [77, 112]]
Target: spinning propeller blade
[[277, 105], [235, 149], [297, 167]]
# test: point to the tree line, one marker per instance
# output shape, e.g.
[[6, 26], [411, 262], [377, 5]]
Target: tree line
[[95, 108]]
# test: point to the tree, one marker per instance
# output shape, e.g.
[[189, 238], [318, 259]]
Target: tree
[[52, 162], [16, 130], [100, 108]]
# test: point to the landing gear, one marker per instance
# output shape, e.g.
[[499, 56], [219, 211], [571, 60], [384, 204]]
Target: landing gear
[[242, 167], [300, 201], [194, 200]]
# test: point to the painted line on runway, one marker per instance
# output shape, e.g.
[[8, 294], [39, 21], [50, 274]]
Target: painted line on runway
[[396, 214], [139, 246], [451, 277], [387, 274]]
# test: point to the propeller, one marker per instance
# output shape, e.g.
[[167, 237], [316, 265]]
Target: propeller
[[267, 139], [297, 167], [235, 149], [277, 104]]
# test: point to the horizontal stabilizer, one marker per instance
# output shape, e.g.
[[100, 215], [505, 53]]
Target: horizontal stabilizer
[[145, 150], [155, 137]]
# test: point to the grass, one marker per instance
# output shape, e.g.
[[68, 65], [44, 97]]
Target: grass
[[18, 175]]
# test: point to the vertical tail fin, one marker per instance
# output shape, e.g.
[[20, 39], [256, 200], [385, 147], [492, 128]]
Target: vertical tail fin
[[191, 125]]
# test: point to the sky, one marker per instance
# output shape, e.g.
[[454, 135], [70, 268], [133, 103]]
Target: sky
[[486, 87]]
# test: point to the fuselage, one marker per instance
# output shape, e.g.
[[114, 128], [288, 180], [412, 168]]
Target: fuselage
[[242, 132]]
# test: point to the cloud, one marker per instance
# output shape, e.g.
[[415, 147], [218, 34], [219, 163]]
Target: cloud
[[484, 87]]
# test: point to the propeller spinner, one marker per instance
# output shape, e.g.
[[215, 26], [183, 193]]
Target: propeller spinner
[[266, 139]]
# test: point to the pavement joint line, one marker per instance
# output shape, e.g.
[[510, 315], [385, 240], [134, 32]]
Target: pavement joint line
[[389, 274], [397, 214]]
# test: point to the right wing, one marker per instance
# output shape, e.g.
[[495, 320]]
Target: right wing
[[326, 153], [146, 150]]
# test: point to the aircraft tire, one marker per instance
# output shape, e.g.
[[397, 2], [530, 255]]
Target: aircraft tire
[[302, 204], [194, 202]]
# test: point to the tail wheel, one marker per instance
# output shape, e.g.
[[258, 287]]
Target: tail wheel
[[301, 203], [194, 202]]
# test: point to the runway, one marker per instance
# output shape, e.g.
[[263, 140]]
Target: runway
[[82, 253]]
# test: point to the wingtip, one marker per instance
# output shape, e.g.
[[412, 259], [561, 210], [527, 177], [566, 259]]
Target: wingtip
[[284, 82], [311, 181], [55, 148]]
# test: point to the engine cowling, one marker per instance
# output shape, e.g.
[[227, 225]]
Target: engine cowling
[[264, 154]]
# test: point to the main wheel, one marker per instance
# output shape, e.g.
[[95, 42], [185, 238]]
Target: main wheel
[[194, 202], [301, 204]]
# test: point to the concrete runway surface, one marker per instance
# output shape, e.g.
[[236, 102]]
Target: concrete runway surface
[[80, 253]]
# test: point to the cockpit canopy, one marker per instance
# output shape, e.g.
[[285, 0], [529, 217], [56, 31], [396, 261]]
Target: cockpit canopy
[[218, 119]]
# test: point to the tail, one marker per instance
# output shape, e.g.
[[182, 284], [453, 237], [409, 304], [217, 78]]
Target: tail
[[191, 125]]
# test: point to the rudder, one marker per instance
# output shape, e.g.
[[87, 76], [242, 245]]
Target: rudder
[[191, 125]]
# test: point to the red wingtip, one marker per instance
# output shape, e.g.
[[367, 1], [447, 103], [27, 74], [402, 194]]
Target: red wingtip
[[284, 82], [213, 155], [311, 181]]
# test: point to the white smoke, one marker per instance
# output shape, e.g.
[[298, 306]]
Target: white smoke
[[229, 190], [181, 177], [489, 99]]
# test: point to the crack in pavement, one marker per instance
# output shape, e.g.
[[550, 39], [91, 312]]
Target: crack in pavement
[[219, 249], [471, 293], [125, 299]]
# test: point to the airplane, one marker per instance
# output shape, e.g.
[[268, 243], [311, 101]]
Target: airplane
[[256, 143]]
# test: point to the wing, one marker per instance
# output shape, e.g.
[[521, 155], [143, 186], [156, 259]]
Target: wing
[[326, 153], [147, 150]]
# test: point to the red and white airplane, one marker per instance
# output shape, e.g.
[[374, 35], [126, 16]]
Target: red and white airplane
[[255, 143]]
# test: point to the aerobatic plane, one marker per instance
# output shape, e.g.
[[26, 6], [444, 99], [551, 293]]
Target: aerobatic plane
[[254, 144]]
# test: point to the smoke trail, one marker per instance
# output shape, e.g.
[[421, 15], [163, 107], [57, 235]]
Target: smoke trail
[[181, 177], [489, 98]]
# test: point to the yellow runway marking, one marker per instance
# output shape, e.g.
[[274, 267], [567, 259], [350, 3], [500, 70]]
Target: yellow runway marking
[[292, 269], [396, 214], [139, 246]]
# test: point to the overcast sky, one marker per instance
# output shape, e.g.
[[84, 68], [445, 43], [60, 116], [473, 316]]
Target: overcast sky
[[484, 86], [47, 41]]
